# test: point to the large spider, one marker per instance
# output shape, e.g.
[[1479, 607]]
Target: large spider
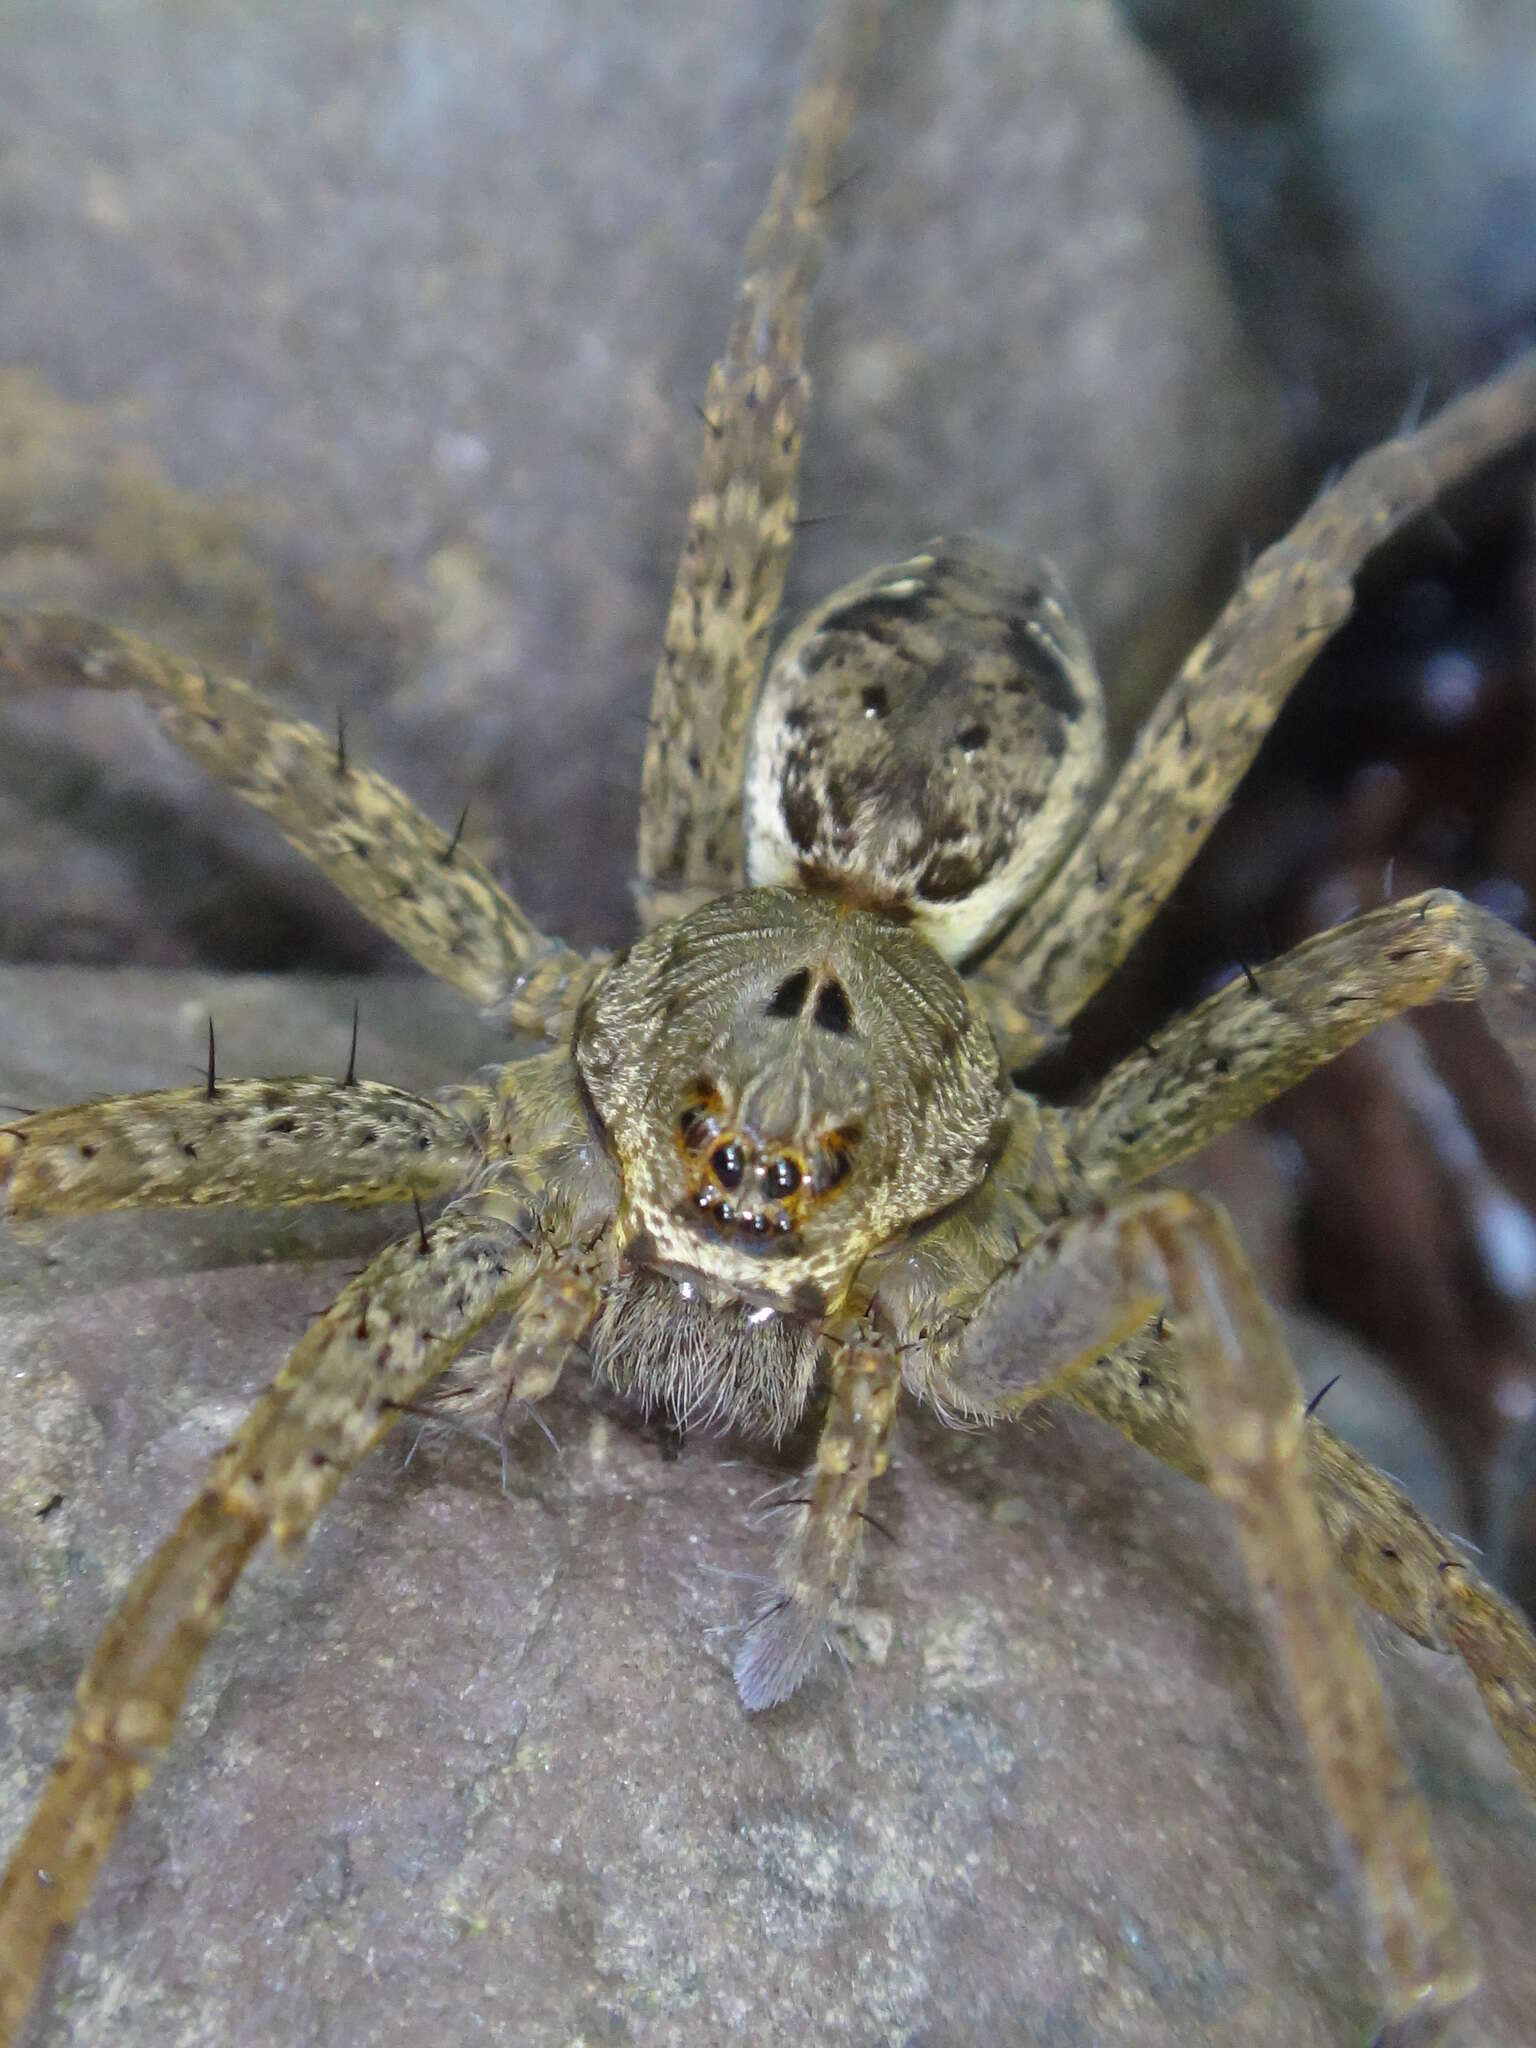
[[774, 1151]]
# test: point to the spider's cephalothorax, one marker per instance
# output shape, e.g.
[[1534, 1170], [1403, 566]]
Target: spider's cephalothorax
[[787, 1083], [773, 1149]]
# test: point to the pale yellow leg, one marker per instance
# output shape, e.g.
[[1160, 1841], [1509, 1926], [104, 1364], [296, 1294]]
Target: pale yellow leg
[[404, 873], [303, 1138], [1247, 1429], [741, 521]]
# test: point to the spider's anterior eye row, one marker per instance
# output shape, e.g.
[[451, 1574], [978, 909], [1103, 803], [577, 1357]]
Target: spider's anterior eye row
[[728, 1165]]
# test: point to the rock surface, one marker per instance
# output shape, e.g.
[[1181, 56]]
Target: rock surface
[[1372, 170], [415, 300], [474, 1769]]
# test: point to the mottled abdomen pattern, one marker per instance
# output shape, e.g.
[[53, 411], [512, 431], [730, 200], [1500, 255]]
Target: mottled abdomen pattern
[[927, 743]]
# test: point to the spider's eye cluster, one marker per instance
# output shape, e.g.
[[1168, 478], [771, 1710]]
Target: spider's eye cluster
[[758, 1192]]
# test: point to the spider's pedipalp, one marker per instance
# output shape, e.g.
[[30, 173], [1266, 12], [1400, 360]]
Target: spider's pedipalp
[[1197, 744], [1264, 1031], [407, 876], [276, 1143], [816, 1574], [351, 1377], [741, 521]]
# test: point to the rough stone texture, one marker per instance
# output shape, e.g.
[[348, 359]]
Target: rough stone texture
[[432, 285], [1372, 169], [474, 1770]]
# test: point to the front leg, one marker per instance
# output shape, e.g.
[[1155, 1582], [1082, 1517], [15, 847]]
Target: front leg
[[1033, 1333], [358, 1368]]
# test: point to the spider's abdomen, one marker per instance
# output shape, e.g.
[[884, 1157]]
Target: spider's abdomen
[[927, 743]]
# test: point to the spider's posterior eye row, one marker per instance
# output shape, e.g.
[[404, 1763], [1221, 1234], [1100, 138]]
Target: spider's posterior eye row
[[832, 1011]]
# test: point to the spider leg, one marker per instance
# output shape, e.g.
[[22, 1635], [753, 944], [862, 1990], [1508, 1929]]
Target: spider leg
[[1248, 1424], [296, 1140], [405, 874], [354, 1372], [1259, 1034], [1197, 744], [741, 520], [816, 1574], [1419, 1579]]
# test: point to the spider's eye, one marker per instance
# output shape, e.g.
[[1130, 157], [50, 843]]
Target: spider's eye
[[690, 1126], [780, 1178], [728, 1165], [788, 999], [833, 1010]]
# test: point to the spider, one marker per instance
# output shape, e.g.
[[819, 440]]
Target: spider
[[773, 1155]]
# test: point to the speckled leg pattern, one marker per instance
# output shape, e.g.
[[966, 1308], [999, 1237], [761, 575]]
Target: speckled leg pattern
[[358, 1367], [267, 1143], [404, 873], [741, 521], [1248, 1426], [1267, 1029], [1194, 749]]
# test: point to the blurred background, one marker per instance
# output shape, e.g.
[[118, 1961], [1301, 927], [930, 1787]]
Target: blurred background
[[356, 349]]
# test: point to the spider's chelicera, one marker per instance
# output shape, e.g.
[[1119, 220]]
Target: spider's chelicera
[[776, 1152]]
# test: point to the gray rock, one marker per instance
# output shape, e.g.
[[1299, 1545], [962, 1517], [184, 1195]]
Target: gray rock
[[1372, 169], [432, 288], [473, 1770]]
